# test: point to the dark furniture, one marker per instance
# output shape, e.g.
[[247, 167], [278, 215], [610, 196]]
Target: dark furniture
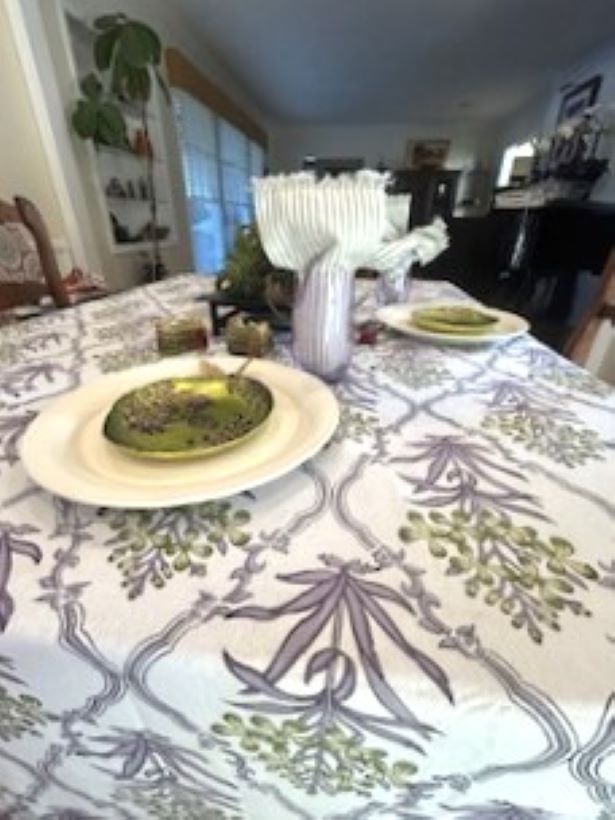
[[528, 260], [434, 192], [222, 307]]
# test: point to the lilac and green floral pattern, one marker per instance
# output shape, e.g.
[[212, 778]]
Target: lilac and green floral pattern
[[418, 623]]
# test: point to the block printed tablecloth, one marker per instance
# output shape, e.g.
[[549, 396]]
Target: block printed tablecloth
[[419, 623]]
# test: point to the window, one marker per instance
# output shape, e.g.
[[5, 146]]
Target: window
[[218, 161]]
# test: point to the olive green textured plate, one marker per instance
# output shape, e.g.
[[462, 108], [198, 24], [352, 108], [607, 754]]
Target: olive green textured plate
[[181, 418], [502, 325]]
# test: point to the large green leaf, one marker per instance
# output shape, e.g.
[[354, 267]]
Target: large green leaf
[[111, 126], [155, 46], [138, 84], [136, 45], [108, 21], [91, 87], [84, 118], [119, 73], [104, 46]]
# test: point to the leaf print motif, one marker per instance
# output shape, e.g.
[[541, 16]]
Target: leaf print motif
[[523, 415], [546, 366], [532, 580], [151, 546], [289, 749], [30, 377], [110, 362], [313, 747], [171, 801], [12, 543], [355, 425], [339, 584], [153, 756], [500, 810], [12, 427], [19, 713], [574, 379], [159, 775], [415, 370], [452, 470]]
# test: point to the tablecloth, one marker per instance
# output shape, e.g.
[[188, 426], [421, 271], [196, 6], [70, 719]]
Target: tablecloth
[[418, 623]]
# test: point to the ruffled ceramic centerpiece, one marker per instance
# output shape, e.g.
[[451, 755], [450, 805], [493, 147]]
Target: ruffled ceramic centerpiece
[[324, 230]]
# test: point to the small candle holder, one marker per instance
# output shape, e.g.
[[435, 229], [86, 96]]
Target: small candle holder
[[248, 337], [181, 334]]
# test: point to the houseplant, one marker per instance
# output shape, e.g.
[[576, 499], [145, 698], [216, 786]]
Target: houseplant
[[127, 54], [248, 275]]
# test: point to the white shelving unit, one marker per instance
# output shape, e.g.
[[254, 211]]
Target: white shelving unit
[[128, 169]]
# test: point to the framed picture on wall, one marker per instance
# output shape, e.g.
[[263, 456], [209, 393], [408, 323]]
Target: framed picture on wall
[[427, 153], [577, 99]]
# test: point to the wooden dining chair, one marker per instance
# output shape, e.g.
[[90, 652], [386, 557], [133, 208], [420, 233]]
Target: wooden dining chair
[[28, 267], [592, 344]]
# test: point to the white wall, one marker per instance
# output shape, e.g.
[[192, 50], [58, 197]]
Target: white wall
[[538, 117], [29, 168], [470, 143], [24, 168]]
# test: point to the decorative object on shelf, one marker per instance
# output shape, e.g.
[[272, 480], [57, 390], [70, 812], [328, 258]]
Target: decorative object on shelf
[[152, 231], [142, 145], [121, 233], [246, 336], [127, 54], [427, 153], [181, 334], [130, 190], [576, 100], [324, 230], [115, 189], [567, 164]]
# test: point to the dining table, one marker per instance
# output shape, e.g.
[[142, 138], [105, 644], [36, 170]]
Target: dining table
[[418, 622]]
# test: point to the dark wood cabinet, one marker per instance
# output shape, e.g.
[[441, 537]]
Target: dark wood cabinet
[[434, 193]]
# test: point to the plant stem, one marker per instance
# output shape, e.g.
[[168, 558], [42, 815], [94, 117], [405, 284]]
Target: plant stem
[[153, 199]]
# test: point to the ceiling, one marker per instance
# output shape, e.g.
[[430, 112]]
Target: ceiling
[[377, 61]]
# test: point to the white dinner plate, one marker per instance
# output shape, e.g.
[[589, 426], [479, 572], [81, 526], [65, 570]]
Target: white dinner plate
[[399, 317], [64, 449]]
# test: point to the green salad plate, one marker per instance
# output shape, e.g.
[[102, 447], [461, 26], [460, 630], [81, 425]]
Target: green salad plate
[[453, 323]]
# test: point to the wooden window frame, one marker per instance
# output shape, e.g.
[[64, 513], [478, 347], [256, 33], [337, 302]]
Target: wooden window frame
[[185, 75]]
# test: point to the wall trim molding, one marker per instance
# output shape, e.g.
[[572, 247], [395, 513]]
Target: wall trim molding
[[182, 73]]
